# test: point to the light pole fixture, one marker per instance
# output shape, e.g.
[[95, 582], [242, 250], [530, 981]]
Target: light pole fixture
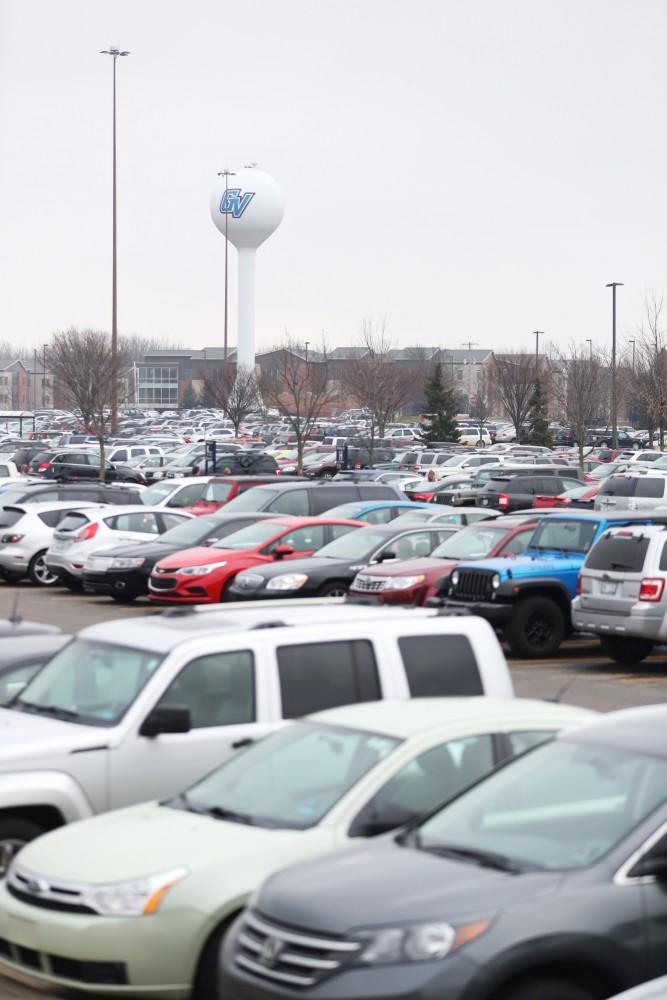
[[226, 174], [306, 344], [537, 334], [614, 415], [633, 354], [115, 53], [590, 348]]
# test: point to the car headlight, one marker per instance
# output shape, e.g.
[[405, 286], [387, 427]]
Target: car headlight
[[419, 943], [454, 578], [133, 899], [495, 581], [119, 563], [288, 581], [402, 582], [201, 570]]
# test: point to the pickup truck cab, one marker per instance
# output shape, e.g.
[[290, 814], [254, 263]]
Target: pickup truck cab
[[528, 598], [141, 708]]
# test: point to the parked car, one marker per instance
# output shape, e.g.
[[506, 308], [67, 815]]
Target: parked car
[[544, 881], [97, 493], [377, 511], [466, 491], [123, 571], [413, 581], [579, 497], [631, 492], [310, 499], [204, 575], [329, 780], [446, 515], [82, 533], [621, 592], [512, 493], [141, 709], [332, 570], [70, 466], [25, 535], [204, 494]]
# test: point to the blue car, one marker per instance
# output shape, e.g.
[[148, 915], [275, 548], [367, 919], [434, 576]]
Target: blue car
[[377, 511], [528, 598]]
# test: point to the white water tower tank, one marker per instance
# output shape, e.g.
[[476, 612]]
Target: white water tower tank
[[246, 206]]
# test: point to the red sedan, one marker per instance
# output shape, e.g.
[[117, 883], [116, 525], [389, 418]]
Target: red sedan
[[202, 575], [580, 496], [412, 581]]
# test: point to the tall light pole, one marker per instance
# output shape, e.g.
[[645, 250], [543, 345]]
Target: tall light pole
[[633, 354], [43, 376], [226, 174], [537, 334], [470, 344], [115, 53], [614, 415]]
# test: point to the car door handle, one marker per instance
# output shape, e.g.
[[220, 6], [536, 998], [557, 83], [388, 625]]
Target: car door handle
[[245, 742]]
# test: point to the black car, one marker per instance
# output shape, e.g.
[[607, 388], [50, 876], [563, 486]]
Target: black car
[[128, 567], [511, 493], [70, 466], [546, 880], [22, 656], [464, 492], [95, 492], [330, 572]]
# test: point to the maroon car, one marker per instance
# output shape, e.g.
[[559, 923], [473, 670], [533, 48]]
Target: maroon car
[[412, 581]]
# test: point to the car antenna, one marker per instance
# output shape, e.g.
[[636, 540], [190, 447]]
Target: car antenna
[[15, 617], [563, 690]]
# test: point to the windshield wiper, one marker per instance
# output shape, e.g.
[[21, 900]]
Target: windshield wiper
[[182, 800], [486, 859], [31, 706]]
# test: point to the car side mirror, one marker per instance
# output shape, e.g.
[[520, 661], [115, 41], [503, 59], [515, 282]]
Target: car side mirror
[[386, 556], [373, 821], [281, 551], [166, 719]]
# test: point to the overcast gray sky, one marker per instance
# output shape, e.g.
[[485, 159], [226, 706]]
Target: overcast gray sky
[[475, 169]]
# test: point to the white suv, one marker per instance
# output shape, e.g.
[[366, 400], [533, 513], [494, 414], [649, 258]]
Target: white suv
[[25, 535]]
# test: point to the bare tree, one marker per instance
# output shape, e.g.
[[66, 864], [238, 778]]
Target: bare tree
[[514, 376], [377, 381], [235, 391], [298, 386], [650, 370], [584, 393], [81, 362], [135, 347]]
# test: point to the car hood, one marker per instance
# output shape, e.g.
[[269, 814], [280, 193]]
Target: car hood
[[412, 567], [347, 890], [25, 738], [152, 549], [527, 566], [161, 838], [200, 556]]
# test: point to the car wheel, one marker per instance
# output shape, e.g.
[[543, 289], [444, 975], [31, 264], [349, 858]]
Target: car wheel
[[206, 985], [627, 649], [549, 988], [38, 572], [536, 629], [15, 833], [336, 589]]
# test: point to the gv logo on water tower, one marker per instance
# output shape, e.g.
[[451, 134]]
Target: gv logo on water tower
[[234, 203]]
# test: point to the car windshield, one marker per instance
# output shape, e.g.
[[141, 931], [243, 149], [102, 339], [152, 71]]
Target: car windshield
[[319, 457], [474, 542], [291, 779], [577, 491], [249, 537], [413, 516], [562, 806], [253, 499], [359, 544], [155, 494], [191, 532], [605, 469], [347, 510], [88, 682], [571, 536]]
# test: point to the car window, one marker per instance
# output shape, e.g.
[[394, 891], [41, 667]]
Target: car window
[[650, 487], [381, 515], [473, 542], [219, 492], [9, 517], [290, 502], [73, 522], [304, 539], [573, 536], [52, 518], [140, 451], [624, 553], [425, 783], [522, 741], [320, 675], [142, 522], [517, 544], [155, 494], [219, 689], [173, 520], [120, 456], [338, 530], [10, 680], [438, 665], [187, 496]]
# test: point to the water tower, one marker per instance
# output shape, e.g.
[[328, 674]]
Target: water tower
[[246, 206]]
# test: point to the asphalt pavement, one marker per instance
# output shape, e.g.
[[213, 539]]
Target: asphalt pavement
[[579, 675]]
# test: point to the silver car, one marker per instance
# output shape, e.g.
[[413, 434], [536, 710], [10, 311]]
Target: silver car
[[632, 491], [622, 592]]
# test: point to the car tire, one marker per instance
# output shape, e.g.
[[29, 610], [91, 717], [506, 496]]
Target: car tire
[[536, 629], [334, 589], [15, 833], [39, 574], [627, 650], [206, 986], [547, 988]]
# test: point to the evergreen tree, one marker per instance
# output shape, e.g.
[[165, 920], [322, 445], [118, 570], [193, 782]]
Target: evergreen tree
[[440, 407], [189, 399], [538, 424]]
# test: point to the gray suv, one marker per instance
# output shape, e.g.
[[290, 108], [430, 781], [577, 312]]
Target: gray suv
[[622, 593], [632, 492]]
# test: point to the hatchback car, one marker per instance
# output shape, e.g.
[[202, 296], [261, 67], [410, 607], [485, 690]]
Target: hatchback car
[[81, 534], [329, 780], [203, 575], [25, 535], [544, 881]]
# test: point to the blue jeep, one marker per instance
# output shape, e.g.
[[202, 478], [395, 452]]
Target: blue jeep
[[528, 598]]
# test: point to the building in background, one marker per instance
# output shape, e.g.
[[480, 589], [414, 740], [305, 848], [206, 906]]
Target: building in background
[[25, 385]]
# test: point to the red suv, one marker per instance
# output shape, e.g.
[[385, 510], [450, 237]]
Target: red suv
[[203, 575], [412, 581]]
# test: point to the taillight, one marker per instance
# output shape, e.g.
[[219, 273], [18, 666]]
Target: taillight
[[11, 539], [579, 585], [503, 500], [418, 468], [86, 533], [651, 589], [43, 466]]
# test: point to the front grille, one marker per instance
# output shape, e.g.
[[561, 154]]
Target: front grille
[[161, 569], [370, 584], [287, 956], [163, 584], [473, 585]]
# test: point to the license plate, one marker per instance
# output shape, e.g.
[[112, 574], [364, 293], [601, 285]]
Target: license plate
[[485, 501], [58, 543], [608, 588]]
